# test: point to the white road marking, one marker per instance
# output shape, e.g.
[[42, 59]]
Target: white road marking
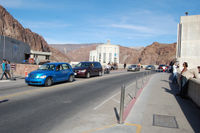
[[106, 101], [112, 97], [115, 100], [4, 80]]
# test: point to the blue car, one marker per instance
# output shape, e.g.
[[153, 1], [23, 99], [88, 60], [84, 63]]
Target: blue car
[[50, 73]]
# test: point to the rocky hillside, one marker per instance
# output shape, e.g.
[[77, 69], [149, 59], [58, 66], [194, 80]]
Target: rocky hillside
[[12, 28], [58, 56], [81, 54], [129, 55], [65, 48], [158, 53], [9, 26], [155, 53]]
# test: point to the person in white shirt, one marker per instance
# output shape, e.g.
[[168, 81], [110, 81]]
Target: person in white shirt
[[174, 79], [107, 68]]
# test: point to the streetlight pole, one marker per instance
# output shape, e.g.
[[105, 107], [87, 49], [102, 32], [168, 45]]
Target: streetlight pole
[[4, 45]]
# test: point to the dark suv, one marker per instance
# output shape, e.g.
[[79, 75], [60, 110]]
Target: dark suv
[[88, 69]]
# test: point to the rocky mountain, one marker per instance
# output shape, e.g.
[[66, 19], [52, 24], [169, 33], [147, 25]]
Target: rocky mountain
[[129, 55], [65, 48], [9, 26], [81, 54], [12, 28], [156, 53], [58, 56]]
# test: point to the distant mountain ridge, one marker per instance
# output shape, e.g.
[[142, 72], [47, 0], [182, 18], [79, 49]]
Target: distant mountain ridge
[[12, 28], [156, 53], [65, 48]]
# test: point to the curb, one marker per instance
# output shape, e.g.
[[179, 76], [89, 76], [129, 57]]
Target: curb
[[131, 104]]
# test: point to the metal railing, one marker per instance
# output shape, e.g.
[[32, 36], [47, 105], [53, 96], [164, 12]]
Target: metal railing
[[130, 92]]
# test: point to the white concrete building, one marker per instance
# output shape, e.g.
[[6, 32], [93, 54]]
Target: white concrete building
[[188, 41], [39, 56], [105, 53]]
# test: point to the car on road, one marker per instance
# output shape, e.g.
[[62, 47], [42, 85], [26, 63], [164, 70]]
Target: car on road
[[133, 68], [88, 69], [50, 73], [150, 67]]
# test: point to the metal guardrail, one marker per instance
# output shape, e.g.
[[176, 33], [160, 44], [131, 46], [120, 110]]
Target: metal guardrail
[[130, 92]]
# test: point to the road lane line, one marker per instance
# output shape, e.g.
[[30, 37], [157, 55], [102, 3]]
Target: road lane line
[[115, 100], [106, 101], [54, 87], [98, 106]]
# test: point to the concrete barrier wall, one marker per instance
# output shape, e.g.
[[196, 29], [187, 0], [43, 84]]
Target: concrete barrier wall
[[194, 90], [20, 69]]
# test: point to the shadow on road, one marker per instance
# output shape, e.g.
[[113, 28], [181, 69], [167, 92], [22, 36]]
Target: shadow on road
[[3, 101]]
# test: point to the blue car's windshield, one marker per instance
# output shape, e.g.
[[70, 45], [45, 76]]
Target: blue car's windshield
[[82, 65], [49, 67]]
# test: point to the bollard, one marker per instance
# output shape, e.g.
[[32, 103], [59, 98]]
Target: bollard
[[142, 79], [136, 86], [122, 104]]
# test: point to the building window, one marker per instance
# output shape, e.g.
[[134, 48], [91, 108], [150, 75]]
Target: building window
[[47, 57], [104, 57]]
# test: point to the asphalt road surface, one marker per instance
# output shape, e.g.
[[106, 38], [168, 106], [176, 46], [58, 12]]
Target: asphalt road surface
[[61, 108]]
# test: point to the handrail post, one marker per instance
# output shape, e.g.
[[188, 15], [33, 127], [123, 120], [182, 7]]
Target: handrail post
[[122, 104]]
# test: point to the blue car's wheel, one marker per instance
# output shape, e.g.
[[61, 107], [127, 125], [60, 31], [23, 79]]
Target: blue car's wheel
[[48, 82], [71, 78]]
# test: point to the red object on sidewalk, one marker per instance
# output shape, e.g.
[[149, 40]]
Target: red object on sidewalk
[[26, 72]]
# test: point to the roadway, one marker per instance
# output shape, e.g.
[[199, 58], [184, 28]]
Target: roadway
[[62, 108]]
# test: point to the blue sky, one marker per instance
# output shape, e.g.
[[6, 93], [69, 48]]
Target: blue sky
[[124, 22]]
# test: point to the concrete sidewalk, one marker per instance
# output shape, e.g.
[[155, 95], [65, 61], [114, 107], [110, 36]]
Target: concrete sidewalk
[[159, 110]]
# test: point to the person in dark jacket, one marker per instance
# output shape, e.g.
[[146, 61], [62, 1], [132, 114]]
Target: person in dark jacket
[[124, 65]]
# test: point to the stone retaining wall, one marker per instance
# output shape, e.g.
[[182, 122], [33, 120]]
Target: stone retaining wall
[[20, 69], [194, 90]]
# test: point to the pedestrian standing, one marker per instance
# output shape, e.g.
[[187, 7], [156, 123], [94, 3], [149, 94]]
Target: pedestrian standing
[[174, 79], [124, 65], [3, 65], [185, 76], [8, 69]]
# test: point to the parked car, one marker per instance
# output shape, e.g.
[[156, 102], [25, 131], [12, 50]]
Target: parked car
[[133, 68], [150, 67], [50, 73], [163, 68], [88, 69]]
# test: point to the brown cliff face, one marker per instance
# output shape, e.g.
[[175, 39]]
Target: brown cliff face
[[81, 54], [12, 28], [155, 53], [58, 56], [158, 53], [129, 55]]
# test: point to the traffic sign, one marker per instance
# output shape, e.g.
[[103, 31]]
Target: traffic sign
[[13, 66]]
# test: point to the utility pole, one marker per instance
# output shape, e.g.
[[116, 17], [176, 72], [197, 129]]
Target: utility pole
[[4, 45]]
